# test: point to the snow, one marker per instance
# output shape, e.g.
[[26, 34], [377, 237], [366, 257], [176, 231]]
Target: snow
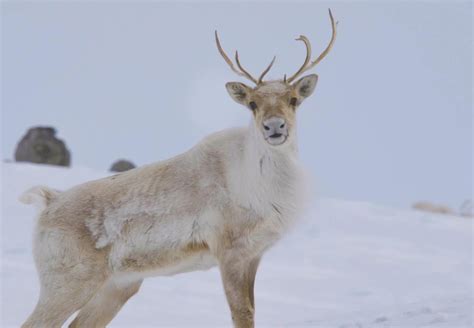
[[346, 264]]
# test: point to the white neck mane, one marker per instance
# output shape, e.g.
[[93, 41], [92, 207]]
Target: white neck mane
[[269, 179]]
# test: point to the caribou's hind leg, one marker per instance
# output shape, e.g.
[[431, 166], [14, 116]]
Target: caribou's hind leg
[[105, 304], [70, 271], [60, 297]]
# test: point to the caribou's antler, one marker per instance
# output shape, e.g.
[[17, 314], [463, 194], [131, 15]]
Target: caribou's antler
[[241, 71], [260, 79], [307, 62]]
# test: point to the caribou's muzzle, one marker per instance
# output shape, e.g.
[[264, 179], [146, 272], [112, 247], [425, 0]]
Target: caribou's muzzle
[[275, 130]]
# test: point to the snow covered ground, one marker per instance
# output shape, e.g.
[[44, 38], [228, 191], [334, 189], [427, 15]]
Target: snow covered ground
[[347, 264]]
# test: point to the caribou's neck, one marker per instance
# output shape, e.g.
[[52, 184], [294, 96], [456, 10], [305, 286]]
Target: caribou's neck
[[268, 171], [269, 179]]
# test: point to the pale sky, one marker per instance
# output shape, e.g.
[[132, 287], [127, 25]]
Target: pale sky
[[390, 121]]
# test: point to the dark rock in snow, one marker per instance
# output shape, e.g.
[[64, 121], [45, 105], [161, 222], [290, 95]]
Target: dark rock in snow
[[40, 145], [122, 165]]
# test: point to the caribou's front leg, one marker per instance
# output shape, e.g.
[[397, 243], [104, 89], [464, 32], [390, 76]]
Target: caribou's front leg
[[238, 275]]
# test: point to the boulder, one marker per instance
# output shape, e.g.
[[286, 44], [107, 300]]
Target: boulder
[[122, 165], [40, 145]]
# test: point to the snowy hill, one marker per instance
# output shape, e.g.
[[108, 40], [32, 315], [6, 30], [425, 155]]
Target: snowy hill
[[347, 264]]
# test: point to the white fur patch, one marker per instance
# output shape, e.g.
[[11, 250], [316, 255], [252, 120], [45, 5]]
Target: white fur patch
[[272, 88], [39, 196]]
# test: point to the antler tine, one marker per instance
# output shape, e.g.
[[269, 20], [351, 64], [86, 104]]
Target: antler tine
[[229, 62], [305, 66], [246, 74], [331, 43], [223, 54], [306, 60], [260, 79]]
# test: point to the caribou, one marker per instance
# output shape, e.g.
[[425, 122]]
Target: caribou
[[222, 203]]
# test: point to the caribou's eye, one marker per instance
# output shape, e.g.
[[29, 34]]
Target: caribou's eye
[[293, 101], [253, 105]]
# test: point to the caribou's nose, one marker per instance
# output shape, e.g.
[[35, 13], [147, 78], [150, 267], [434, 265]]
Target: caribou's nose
[[275, 127]]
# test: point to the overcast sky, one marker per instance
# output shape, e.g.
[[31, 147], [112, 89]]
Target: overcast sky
[[390, 121]]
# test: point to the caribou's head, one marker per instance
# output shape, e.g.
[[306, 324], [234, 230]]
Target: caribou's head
[[274, 103]]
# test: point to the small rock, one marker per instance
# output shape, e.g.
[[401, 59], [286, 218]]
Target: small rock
[[122, 165], [380, 319]]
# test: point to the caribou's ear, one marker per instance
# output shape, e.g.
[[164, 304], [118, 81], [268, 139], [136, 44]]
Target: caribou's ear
[[304, 87], [239, 92]]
